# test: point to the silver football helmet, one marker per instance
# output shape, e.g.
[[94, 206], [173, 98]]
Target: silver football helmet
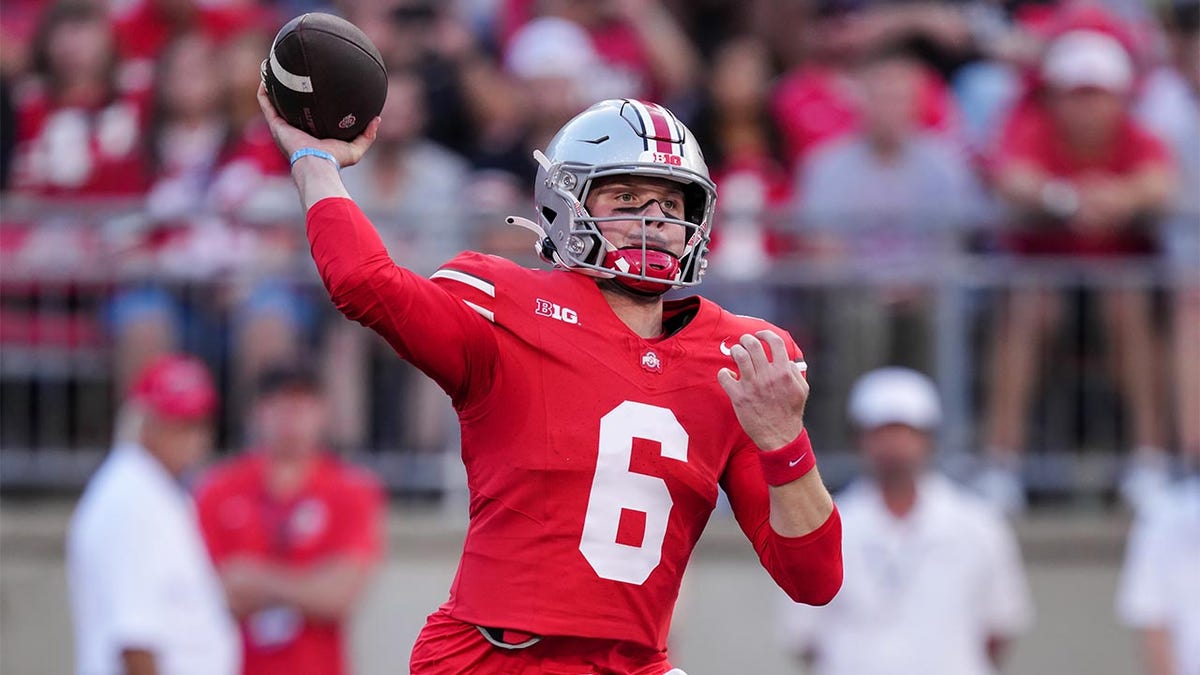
[[621, 137]]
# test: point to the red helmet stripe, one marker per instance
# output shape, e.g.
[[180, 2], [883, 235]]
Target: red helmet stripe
[[662, 127]]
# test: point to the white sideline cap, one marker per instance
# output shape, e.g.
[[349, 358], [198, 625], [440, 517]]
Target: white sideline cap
[[551, 47], [1088, 58], [895, 395]]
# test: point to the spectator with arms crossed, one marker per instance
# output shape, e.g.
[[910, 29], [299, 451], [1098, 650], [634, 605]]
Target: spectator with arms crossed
[[295, 532]]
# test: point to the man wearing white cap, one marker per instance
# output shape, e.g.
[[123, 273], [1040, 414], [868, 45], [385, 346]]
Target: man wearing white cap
[[1084, 181], [933, 577]]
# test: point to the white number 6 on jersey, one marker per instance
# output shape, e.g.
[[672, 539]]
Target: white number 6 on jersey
[[615, 487]]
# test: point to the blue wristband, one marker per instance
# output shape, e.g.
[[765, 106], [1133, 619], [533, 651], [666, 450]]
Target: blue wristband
[[313, 152]]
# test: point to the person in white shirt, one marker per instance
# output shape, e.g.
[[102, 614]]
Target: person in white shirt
[[145, 598], [1159, 592], [934, 582]]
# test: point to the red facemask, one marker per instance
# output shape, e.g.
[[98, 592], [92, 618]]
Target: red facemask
[[661, 270]]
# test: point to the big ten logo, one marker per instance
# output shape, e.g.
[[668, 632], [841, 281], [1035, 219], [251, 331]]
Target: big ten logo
[[556, 311], [664, 158]]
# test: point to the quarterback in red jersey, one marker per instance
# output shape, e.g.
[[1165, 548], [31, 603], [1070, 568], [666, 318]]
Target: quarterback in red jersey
[[598, 420], [295, 533]]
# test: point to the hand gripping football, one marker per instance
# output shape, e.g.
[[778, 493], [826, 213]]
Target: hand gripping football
[[325, 77]]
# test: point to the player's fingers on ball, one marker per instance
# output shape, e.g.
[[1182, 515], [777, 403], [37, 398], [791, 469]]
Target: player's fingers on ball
[[776, 344], [264, 102], [801, 385], [800, 368], [798, 375], [743, 360], [359, 146]]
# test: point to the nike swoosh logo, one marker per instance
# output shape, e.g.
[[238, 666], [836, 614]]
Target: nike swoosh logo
[[725, 350], [798, 460]]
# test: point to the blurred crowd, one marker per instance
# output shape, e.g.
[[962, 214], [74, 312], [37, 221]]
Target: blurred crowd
[[885, 136], [1053, 144]]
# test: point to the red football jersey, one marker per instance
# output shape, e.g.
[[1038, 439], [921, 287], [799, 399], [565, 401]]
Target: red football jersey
[[339, 511], [593, 455]]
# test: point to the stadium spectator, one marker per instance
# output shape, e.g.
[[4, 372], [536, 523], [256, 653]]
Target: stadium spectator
[[1170, 107], [144, 595], [934, 579], [144, 28], [185, 131], [216, 206], [558, 70], [188, 128], [79, 133], [641, 49], [250, 183], [430, 39], [892, 196], [733, 122], [250, 189], [813, 101], [410, 184], [1159, 592], [1084, 178], [295, 532], [414, 189], [546, 77]]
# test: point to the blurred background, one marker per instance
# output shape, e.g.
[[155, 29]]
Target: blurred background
[[941, 185]]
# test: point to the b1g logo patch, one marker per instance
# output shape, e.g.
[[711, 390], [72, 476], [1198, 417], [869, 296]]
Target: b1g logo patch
[[556, 311], [661, 158], [347, 121]]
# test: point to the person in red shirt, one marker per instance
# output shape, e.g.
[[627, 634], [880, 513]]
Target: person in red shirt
[[598, 420], [295, 533], [741, 142], [816, 100], [1086, 179], [79, 132]]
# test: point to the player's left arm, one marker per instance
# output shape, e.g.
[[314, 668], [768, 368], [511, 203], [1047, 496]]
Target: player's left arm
[[793, 525], [768, 394]]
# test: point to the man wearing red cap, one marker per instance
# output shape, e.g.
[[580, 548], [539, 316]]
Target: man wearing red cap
[[145, 598]]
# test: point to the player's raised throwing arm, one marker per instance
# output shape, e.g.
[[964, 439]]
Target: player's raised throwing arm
[[424, 323]]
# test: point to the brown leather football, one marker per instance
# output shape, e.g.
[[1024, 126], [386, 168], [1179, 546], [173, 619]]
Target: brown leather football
[[324, 76]]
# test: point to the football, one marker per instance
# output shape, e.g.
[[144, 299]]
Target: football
[[325, 77]]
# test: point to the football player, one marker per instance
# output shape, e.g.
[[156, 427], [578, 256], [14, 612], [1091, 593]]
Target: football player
[[598, 420]]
